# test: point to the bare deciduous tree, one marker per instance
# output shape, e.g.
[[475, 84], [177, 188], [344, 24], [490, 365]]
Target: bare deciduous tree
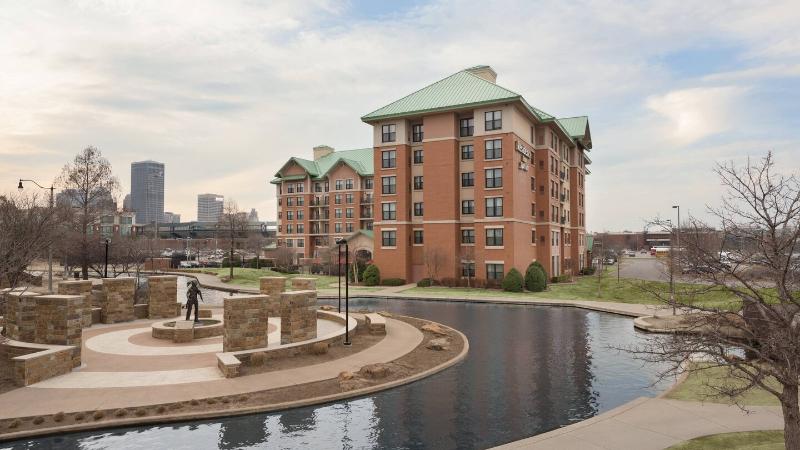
[[284, 258], [434, 259], [233, 224], [757, 339], [88, 185]]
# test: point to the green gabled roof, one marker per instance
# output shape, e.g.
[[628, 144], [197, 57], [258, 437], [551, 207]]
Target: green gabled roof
[[361, 160], [460, 90], [575, 126]]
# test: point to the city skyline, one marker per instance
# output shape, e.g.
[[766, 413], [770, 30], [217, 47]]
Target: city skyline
[[273, 80]]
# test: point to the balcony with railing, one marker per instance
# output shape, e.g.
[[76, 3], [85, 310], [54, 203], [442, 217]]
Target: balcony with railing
[[366, 200], [563, 175], [563, 197], [563, 220]]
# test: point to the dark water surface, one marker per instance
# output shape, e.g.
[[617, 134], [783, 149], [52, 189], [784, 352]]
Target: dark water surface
[[530, 369]]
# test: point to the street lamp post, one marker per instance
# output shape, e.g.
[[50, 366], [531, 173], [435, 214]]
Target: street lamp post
[[346, 290], [105, 266], [50, 245], [339, 274]]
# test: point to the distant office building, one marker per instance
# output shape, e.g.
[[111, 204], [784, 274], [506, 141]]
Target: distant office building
[[102, 199], [126, 203], [171, 217], [116, 223], [209, 207], [147, 191], [253, 217]]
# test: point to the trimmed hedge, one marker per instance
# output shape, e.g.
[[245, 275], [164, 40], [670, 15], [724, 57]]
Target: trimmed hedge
[[372, 275], [535, 278], [393, 282], [425, 282], [512, 282]]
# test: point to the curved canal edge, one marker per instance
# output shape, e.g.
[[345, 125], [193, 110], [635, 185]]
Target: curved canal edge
[[240, 411]]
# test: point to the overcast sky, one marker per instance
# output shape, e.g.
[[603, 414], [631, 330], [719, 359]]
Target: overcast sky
[[224, 92]]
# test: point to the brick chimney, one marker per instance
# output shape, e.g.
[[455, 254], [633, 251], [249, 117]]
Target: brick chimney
[[322, 150], [485, 72]]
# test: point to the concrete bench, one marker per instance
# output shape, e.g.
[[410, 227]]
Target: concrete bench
[[228, 364], [184, 331], [376, 323]]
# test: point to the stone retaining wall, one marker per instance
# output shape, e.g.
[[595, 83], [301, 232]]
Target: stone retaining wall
[[298, 316], [304, 284], [59, 320], [273, 287], [163, 296], [245, 320], [117, 305], [20, 315], [34, 366], [83, 288]]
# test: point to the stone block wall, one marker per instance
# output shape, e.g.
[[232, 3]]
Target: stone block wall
[[304, 284], [163, 291], [59, 321], [20, 316], [273, 287], [39, 366], [117, 304], [83, 288], [245, 320], [298, 316]]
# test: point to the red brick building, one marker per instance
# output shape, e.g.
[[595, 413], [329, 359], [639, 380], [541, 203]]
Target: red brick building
[[470, 179]]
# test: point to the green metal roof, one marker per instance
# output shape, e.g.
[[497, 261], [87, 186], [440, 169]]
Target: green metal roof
[[361, 160], [460, 90], [575, 126]]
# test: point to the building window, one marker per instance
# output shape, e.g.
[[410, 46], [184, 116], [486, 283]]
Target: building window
[[533, 210], [289, 228], [389, 185], [389, 238], [301, 243], [467, 179], [467, 206], [339, 185], [416, 133], [418, 239], [289, 215], [301, 228], [533, 184], [290, 189], [337, 227], [467, 236], [493, 149], [468, 269], [337, 213], [300, 214], [418, 182], [289, 201], [494, 272], [417, 156], [349, 213], [348, 227], [494, 178], [337, 199], [467, 152], [317, 187], [300, 201], [388, 159], [290, 243], [533, 236], [494, 237], [418, 209], [494, 120], [348, 198], [388, 133], [467, 127], [348, 183], [494, 207], [367, 183], [300, 187], [389, 211]]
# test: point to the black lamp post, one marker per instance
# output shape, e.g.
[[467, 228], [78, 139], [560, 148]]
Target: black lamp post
[[346, 290], [339, 274], [49, 247], [105, 267]]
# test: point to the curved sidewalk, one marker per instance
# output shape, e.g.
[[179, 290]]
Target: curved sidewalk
[[653, 423]]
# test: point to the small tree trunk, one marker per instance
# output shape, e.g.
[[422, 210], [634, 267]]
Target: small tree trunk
[[791, 417]]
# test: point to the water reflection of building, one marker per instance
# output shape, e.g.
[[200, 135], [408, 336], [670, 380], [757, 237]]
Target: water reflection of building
[[243, 431]]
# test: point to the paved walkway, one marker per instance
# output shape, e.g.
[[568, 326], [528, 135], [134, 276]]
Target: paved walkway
[[401, 338], [653, 423]]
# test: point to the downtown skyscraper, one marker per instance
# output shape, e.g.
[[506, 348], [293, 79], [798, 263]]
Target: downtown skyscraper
[[147, 191]]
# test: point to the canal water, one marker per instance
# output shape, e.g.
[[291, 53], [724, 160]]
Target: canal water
[[530, 369]]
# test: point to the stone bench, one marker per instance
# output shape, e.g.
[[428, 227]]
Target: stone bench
[[228, 364], [184, 331], [376, 323]]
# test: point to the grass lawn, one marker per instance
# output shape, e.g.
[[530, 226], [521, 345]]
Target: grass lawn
[[753, 440], [698, 386], [585, 288], [249, 277]]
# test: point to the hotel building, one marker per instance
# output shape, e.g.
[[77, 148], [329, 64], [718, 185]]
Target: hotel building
[[468, 174], [324, 199]]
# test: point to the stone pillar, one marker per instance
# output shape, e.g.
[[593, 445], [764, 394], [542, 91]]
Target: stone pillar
[[163, 296], [59, 320], [304, 284], [117, 306], [20, 315], [83, 288], [273, 287], [298, 316], [245, 323]]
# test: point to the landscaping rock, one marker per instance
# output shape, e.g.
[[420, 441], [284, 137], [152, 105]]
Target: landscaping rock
[[327, 308], [319, 348], [434, 328], [344, 376], [374, 371], [439, 344]]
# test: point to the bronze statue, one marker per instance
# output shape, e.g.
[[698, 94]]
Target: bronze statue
[[191, 300]]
